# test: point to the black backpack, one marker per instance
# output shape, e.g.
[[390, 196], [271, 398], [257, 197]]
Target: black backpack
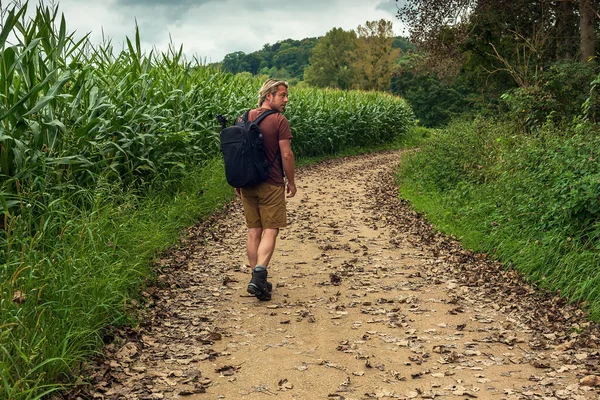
[[243, 148]]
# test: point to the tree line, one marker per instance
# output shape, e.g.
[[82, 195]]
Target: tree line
[[364, 58], [286, 59]]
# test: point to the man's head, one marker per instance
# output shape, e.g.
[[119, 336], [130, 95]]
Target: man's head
[[275, 94]]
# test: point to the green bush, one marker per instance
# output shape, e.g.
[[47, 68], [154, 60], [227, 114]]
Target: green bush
[[558, 182], [557, 96]]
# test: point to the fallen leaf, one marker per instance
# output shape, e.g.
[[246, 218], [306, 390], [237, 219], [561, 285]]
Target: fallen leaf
[[590, 380], [19, 297]]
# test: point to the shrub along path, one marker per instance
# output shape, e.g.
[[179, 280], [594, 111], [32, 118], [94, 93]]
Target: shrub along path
[[369, 303]]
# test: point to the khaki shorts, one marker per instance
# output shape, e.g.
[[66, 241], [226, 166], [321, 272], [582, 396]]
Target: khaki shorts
[[264, 206]]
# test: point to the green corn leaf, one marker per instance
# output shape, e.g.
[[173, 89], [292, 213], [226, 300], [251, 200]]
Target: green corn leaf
[[51, 95], [56, 124], [62, 35], [32, 92], [9, 23], [8, 64], [138, 46], [84, 130]]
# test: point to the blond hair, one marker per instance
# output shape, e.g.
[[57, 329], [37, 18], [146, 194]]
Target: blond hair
[[270, 86]]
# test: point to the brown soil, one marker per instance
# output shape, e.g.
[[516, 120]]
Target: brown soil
[[368, 303]]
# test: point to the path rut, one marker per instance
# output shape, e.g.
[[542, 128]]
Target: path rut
[[368, 303]]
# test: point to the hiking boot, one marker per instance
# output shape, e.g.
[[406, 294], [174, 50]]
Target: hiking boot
[[269, 284], [258, 285]]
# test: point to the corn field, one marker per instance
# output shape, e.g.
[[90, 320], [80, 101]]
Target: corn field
[[78, 120]]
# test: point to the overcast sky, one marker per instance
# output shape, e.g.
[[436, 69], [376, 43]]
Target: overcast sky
[[210, 29]]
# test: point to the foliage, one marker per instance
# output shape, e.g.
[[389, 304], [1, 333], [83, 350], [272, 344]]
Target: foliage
[[501, 46], [104, 157], [374, 58], [62, 287], [330, 60], [530, 201], [434, 102], [403, 44], [363, 60], [558, 99], [591, 105], [74, 112], [338, 60], [286, 59], [548, 29]]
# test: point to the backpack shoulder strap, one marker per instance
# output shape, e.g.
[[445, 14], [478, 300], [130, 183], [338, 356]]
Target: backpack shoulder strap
[[245, 116], [263, 116]]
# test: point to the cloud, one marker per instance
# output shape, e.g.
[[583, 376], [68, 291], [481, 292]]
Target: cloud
[[210, 29], [167, 3], [389, 6]]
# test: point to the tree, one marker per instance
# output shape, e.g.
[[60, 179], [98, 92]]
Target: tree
[[374, 59], [587, 16], [286, 57], [232, 62], [252, 63], [290, 56], [403, 44], [330, 60], [565, 30], [548, 28]]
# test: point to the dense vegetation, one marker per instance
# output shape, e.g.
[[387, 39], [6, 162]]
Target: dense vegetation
[[104, 157], [472, 52], [369, 58], [530, 201], [286, 59], [521, 181]]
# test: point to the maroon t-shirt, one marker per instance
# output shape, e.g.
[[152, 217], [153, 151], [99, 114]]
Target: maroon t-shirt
[[275, 127]]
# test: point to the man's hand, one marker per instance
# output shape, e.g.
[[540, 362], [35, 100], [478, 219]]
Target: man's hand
[[291, 189], [238, 192]]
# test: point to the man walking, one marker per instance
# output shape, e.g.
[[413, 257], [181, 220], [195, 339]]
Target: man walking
[[264, 203]]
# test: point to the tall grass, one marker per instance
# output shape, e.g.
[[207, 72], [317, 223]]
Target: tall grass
[[531, 201], [104, 156]]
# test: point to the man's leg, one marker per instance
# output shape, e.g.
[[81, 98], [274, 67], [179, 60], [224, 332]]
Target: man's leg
[[266, 248], [259, 285], [272, 215], [252, 243]]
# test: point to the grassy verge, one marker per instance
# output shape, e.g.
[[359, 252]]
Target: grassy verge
[[530, 202], [57, 303]]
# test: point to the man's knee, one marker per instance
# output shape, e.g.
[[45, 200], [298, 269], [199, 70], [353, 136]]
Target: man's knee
[[255, 233], [270, 232]]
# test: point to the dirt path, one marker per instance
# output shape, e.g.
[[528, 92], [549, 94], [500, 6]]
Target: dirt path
[[369, 303]]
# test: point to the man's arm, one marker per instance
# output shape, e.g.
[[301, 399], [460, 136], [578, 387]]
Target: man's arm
[[287, 156]]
